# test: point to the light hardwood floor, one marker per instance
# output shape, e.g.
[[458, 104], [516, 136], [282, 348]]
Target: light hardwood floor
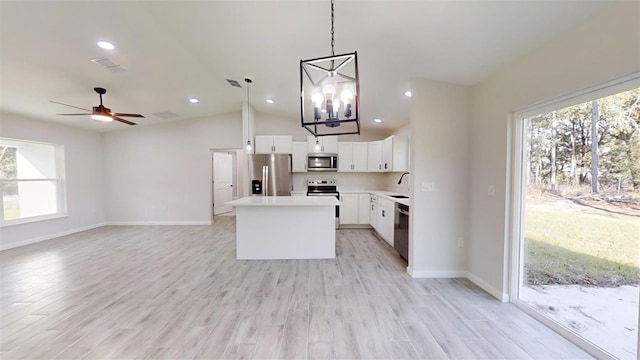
[[178, 292]]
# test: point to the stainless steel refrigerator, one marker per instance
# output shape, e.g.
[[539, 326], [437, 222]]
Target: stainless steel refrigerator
[[270, 174]]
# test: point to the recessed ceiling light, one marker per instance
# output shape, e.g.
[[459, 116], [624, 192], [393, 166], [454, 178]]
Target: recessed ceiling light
[[106, 45], [377, 120], [269, 101], [407, 93], [193, 100]]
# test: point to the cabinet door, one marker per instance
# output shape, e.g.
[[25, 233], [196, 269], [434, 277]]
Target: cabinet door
[[349, 209], [263, 144], [282, 144], [329, 144], [385, 224], [359, 156], [344, 157], [373, 211], [387, 154], [299, 156], [374, 156], [363, 209]]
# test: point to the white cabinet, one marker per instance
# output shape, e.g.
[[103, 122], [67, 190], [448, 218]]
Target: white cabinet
[[354, 209], [352, 156], [348, 209], [327, 144], [374, 156], [299, 156], [395, 153], [385, 222], [363, 209], [373, 211], [273, 144]]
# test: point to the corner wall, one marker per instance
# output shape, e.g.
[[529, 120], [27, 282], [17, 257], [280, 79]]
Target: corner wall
[[83, 172], [439, 154], [605, 47]]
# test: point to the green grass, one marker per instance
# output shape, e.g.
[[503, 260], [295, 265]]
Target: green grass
[[570, 247]]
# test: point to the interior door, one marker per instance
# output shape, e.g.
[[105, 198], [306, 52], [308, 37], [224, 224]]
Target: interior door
[[222, 182]]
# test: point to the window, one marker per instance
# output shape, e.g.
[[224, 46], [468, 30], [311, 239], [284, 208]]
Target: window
[[32, 181], [576, 217]]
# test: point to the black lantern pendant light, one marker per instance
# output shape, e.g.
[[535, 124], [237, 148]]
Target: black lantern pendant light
[[329, 92]]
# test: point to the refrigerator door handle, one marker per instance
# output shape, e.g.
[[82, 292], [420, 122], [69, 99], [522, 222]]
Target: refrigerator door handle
[[265, 186]]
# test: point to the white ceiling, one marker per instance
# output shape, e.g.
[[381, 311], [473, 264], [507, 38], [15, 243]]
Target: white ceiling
[[174, 50]]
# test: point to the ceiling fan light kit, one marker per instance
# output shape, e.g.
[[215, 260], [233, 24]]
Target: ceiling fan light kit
[[329, 92], [101, 112]]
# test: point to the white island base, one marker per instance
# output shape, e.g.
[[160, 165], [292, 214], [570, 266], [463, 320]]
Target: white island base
[[285, 227]]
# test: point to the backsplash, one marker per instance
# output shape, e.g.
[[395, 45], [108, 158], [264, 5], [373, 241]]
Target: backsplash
[[346, 181]]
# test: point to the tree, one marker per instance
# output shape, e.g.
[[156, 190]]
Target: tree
[[594, 146]]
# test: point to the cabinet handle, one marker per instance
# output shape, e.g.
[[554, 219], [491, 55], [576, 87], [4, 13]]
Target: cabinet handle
[[371, 207], [383, 214], [385, 166], [379, 166]]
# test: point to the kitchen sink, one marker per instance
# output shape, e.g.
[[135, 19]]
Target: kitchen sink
[[399, 196]]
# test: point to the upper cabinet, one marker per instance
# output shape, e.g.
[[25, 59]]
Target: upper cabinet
[[352, 156], [299, 156], [273, 144], [326, 144], [374, 156], [395, 153]]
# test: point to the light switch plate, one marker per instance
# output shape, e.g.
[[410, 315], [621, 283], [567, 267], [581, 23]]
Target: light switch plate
[[427, 186]]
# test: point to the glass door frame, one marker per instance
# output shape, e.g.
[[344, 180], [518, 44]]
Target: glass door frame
[[516, 158]]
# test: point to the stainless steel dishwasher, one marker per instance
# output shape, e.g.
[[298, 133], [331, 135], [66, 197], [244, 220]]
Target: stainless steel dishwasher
[[401, 231]]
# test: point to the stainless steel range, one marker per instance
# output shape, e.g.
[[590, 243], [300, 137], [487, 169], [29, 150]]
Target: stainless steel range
[[325, 188]]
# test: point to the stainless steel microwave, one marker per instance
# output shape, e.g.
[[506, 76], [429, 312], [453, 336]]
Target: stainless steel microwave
[[322, 162]]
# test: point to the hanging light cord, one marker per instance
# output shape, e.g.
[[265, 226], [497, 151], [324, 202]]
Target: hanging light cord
[[248, 81], [333, 30]]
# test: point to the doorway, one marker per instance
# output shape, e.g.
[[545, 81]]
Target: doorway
[[224, 180], [576, 218]]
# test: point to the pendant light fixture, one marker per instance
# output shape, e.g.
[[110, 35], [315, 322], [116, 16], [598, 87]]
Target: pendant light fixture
[[249, 147], [330, 92]]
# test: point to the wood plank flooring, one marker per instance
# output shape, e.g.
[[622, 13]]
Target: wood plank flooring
[[177, 292]]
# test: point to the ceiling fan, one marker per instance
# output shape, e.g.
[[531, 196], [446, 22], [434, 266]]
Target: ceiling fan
[[102, 113]]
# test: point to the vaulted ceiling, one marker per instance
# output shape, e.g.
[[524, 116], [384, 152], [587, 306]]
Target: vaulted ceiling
[[174, 50]]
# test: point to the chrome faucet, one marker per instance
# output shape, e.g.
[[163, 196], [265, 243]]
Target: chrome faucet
[[401, 176]]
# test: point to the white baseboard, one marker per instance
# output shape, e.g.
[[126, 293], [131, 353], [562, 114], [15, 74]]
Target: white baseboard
[[436, 274], [460, 274], [488, 288], [126, 223], [49, 237]]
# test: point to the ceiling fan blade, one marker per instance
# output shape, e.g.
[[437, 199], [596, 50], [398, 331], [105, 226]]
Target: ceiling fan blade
[[59, 103], [123, 121], [128, 115], [74, 114]]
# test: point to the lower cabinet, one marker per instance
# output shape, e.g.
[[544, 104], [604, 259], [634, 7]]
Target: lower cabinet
[[384, 221], [354, 209]]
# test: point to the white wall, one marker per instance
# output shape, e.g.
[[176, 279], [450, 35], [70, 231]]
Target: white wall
[[162, 173], [84, 179], [605, 47], [439, 154]]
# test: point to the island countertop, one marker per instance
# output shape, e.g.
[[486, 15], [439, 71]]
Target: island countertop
[[285, 201]]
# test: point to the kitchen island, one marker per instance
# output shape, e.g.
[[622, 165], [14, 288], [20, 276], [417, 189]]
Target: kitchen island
[[285, 227]]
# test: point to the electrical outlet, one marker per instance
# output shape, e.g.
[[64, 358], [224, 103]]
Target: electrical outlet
[[460, 242], [492, 190], [427, 186]]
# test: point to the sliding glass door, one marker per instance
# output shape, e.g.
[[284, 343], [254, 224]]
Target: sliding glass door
[[579, 219]]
